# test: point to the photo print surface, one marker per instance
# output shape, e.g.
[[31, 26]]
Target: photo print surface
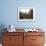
[[26, 14]]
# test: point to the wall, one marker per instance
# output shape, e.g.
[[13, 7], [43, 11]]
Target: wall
[[9, 13]]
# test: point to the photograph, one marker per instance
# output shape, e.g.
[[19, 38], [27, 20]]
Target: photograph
[[22, 23], [26, 14]]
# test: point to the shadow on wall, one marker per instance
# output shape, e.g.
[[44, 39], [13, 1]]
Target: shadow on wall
[[2, 26]]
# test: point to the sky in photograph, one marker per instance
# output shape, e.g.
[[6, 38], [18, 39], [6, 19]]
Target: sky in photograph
[[24, 10]]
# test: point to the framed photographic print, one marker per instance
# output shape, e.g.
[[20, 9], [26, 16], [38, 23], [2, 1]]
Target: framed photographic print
[[26, 14]]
